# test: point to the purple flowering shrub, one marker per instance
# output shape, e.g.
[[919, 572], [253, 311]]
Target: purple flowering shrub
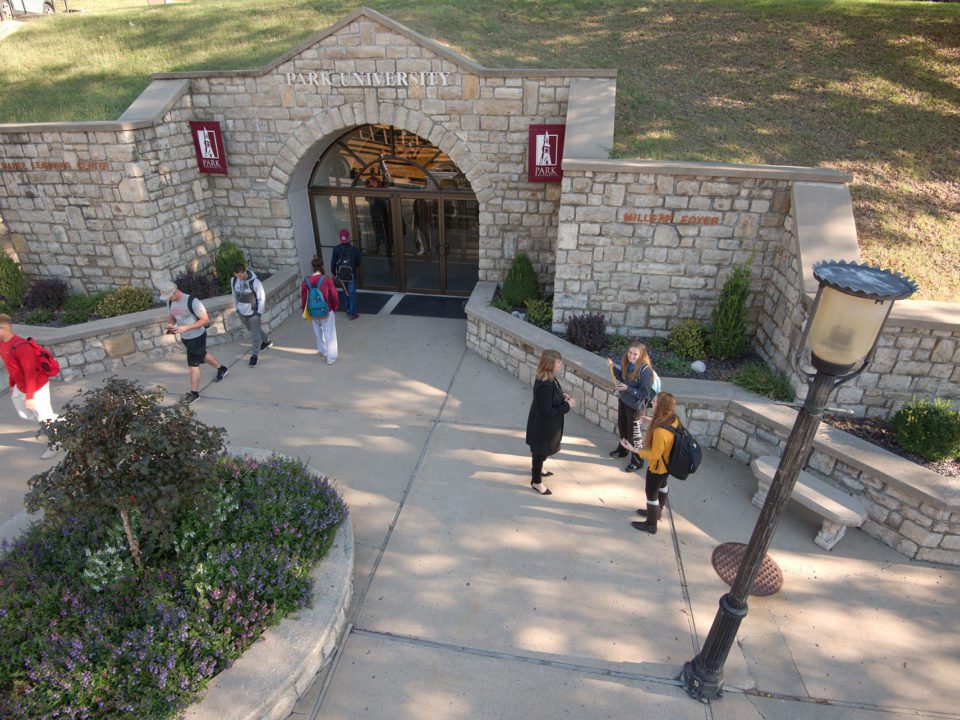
[[84, 633]]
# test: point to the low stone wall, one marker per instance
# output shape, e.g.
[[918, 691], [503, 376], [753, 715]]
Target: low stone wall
[[911, 509], [109, 344]]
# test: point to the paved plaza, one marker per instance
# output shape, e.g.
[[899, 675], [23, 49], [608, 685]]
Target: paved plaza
[[475, 597]]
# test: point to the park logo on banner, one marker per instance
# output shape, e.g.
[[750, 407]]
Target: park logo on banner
[[208, 142], [544, 153]]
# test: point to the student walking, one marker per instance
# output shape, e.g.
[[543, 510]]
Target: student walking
[[635, 378], [189, 320], [29, 377], [657, 445], [345, 263], [545, 421], [250, 301], [319, 301]]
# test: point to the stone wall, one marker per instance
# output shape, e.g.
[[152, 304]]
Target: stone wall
[[911, 509], [649, 244], [106, 345], [109, 203]]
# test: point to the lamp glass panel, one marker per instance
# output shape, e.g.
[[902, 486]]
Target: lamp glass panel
[[845, 326]]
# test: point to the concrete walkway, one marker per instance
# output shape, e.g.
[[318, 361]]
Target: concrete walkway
[[477, 598]]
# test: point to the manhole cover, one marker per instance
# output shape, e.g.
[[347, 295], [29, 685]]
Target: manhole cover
[[726, 561]]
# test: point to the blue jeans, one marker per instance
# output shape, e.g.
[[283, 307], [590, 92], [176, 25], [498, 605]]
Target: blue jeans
[[352, 298]]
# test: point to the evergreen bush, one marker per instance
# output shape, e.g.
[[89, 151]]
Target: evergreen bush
[[758, 378], [11, 282], [123, 301], [686, 339], [520, 284], [228, 255], [540, 313], [502, 304], [587, 331], [929, 429], [40, 316], [728, 339]]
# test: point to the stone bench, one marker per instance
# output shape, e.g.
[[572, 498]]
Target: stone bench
[[838, 510]]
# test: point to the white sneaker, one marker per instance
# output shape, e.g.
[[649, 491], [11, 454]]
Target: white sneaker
[[50, 452], [330, 362]]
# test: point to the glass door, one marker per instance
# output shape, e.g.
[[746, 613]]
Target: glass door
[[331, 214], [422, 244], [461, 245], [374, 237]]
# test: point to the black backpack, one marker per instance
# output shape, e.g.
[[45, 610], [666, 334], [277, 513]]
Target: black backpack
[[344, 268], [685, 456]]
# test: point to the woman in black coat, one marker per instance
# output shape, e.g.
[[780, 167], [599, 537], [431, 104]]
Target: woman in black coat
[[545, 421]]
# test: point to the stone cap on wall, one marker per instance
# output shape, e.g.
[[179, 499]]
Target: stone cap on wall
[[422, 40], [683, 167]]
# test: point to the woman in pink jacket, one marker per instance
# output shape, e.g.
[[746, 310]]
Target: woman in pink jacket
[[325, 328]]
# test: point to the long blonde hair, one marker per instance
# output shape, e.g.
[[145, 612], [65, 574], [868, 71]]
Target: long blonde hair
[[548, 361], [664, 413], [644, 359]]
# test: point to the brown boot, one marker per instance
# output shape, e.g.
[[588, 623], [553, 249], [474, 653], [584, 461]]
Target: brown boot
[[653, 515], [661, 498]]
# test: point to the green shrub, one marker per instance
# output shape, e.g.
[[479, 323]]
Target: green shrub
[[78, 308], [129, 455], [758, 378], [540, 313], [673, 367], [588, 331], [929, 429], [618, 345], [123, 301], [502, 304], [728, 339], [520, 284], [228, 255], [686, 339], [658, 344], [11, 281], [40, 316]]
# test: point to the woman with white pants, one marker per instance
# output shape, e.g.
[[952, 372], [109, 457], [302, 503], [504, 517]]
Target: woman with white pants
[[324, 328]]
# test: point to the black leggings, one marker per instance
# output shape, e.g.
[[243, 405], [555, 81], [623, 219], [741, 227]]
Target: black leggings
[[537, 467], [656, 483], [626, 419]]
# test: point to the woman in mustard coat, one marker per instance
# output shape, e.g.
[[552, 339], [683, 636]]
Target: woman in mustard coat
[[657, 444]]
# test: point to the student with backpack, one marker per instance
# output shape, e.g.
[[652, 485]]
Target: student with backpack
[[345, 263], [657, 446], [250, 299], [189, 320], [29, 368], [636, 385], [319, 301]]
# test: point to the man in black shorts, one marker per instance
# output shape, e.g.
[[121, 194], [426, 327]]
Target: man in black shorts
[[189, 320]]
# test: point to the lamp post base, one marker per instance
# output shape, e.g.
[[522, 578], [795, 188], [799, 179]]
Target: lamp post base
[[703, 676]]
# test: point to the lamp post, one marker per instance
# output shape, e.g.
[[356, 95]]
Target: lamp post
[[852, 304]]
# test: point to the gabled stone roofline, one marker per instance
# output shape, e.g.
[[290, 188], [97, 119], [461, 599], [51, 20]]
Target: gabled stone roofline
[[416, 37]]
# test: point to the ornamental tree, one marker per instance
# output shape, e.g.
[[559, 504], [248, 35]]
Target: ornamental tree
[[127, 453]]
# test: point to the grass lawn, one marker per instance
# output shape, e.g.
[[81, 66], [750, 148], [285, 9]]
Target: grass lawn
[[870, 87]]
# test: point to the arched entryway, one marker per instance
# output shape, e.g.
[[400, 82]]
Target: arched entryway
[[408, 207]]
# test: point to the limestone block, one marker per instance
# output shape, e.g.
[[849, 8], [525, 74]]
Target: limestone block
[[946, 557], [919, 535]]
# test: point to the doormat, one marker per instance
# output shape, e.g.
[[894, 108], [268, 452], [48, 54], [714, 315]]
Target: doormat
[[368, 303], [432, 306]]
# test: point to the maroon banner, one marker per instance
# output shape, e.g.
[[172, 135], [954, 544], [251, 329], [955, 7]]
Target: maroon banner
[[208, 142], [544, 153]]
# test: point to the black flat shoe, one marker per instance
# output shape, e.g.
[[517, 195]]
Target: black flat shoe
[[546, 473], [545, 491], [618, 452], [652, 529], [632, 467]]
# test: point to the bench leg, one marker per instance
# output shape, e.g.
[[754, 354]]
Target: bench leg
[[830, 534], [759, 497]]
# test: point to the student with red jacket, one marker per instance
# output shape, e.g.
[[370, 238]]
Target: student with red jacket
[[325, 328], [29, 386]]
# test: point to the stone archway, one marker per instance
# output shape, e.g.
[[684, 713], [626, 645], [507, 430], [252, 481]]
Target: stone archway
[[289, 174]]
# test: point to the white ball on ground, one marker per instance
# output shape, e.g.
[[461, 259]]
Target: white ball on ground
[[698, 366]]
